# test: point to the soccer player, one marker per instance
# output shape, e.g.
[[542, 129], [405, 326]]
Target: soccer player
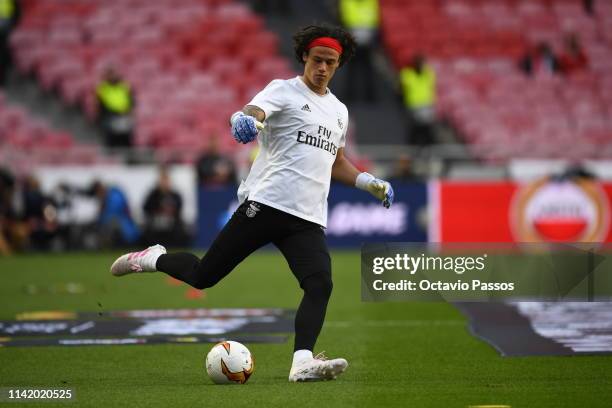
[[301, 129]]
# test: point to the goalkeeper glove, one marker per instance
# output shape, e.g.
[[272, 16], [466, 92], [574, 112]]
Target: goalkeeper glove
[[244, 127], [380, 189]]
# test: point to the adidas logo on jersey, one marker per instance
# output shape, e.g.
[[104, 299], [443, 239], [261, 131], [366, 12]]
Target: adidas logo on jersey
[[306, 108]]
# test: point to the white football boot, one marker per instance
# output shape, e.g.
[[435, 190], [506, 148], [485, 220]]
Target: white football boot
[[318, 368], [143, 261]]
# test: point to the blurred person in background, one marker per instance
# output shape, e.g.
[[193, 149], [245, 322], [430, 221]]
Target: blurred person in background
[[573, 59], [12, 232], [361, 18], [540, 61], [63, 196], [115, 224], [162, 209], [39, 215], [115, 106], [576, 171], [403, 171], [213, 168], [418, 84], [10, 13]]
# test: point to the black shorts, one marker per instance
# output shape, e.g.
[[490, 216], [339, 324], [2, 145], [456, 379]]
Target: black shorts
[[254, 225]]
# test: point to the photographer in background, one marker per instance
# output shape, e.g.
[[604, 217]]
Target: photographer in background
[[162, 210], [12, 233], [115, 224], [39, 215]]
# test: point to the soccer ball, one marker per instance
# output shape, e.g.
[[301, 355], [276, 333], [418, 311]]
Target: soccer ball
[[229, 362]]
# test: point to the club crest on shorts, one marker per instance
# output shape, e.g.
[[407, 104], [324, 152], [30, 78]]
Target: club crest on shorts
[[252, 210]]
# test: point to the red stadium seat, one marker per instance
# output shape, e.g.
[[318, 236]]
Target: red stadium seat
[[475, 46]]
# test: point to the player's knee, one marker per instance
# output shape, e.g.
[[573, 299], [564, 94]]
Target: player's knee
[[318, 285], [200, 284], [200, 278], [207, 275], [205, 282]]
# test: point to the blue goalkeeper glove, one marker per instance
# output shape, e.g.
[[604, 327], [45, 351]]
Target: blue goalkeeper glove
[[380, 189], [244, 127]]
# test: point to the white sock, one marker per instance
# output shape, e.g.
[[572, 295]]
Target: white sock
[[301, 355]]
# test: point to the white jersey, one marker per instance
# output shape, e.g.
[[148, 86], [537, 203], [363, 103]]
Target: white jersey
[[298, 147]]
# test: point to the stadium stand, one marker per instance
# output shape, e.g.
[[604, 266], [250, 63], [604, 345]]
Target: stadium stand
[[501, 113], [190, 62], [26, 140]]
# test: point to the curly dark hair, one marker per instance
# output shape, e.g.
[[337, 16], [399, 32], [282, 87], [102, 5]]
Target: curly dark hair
[[302, 38]]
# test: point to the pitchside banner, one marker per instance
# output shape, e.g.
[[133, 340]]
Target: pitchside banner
[[542, 328], [137, 327], [546, 210], [354, 217]]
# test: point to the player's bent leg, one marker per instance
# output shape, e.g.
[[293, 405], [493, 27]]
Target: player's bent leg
[[308, 323], [183, 266], [200, 273], [238, 239], [241, 236], [308, 256], [134, 262], [311, 312], [180, 265]]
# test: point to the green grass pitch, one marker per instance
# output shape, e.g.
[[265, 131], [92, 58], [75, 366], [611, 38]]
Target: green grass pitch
[[400, 354]]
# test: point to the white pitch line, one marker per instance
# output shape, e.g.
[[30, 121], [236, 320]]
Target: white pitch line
[[392, 323]]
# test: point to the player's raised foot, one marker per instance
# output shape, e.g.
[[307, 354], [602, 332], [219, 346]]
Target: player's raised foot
[[143, 261], [318, 368]]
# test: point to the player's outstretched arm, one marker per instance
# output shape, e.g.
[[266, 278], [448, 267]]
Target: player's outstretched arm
[[344, 172], [247, 123]]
